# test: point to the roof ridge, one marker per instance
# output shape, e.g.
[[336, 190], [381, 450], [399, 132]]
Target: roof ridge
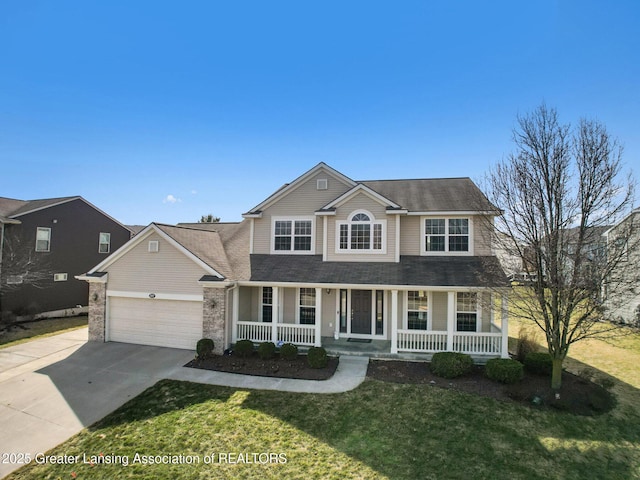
[[412, 179]]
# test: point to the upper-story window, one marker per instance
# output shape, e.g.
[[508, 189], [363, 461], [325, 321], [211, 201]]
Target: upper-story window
[[362, 233], [292, 235], [442, 235], [104, 243], [43, 239]]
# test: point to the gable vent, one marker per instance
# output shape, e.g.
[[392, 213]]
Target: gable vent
[[322, 184], [154, 246]]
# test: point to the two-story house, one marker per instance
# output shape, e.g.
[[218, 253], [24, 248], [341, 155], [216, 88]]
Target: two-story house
[[44, 244], [407, 264]]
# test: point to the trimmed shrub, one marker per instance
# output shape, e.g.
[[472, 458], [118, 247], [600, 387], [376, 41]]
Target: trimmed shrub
[[450, 364], [204, 348], [539, 363], [243, 348], [317, 357], [289, 351], [504, 370], [267, 350]]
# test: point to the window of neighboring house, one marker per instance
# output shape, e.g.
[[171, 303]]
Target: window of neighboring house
[[446, 235], [467, 312], [293, 235], [267, 304], [43, 239], [361, 234], [60, 277], [417, 310], [14, 279], [104, 243], [307, 306]]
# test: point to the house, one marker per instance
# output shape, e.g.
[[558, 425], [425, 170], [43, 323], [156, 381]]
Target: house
[[621, 289], [406, 265], [44, 244]]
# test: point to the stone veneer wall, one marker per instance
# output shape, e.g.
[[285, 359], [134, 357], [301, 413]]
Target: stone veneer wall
[[213, 317], [97, 310]]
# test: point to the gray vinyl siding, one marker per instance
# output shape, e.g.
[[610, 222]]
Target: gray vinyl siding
[[304, 200], [247, 298], [486, 312], [410, 240], [439, 306], [328, 313], [483, 231], [167, 271], [362, 201]]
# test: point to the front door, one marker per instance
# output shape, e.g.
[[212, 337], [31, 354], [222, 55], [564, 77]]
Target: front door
[[361, 311]]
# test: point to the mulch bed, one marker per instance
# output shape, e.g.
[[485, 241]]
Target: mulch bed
[[276, 367], [577, 395]]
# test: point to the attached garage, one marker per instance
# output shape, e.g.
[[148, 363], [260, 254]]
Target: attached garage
[[163, 323]]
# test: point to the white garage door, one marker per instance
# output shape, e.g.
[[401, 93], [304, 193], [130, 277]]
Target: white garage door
[[164, 323]]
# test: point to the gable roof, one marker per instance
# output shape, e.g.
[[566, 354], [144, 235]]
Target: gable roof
[[360, 188], [12, 208], [434, 194]]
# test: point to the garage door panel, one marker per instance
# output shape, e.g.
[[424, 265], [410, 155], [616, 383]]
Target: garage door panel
[[166, 323]]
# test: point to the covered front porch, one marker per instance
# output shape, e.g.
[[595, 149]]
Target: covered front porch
[[379, 321]]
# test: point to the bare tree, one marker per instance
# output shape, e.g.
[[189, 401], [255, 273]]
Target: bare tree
[[559, 191], [22, 266]]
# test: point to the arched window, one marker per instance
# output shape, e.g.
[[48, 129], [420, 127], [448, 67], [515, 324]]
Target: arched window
[[361, 233]]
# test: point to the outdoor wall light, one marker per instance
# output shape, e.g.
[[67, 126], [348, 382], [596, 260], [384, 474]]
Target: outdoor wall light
[[152, 295], [214, 304], [328, 291], [95, 297]]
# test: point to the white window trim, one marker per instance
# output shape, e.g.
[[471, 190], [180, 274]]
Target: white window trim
[[38, 229], [262, 304], [446, 252], [299, 305], [372, 222], [478, 312], [405, 310], [154, 246], [108, 244], [293, 219]]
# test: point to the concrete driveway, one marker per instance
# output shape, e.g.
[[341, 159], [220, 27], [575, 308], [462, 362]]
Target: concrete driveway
[[52, 388]]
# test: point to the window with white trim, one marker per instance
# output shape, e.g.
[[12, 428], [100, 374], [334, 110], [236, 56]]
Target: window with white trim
[[43, 239], [267, 304], [60, 277], [362, 233], [417, 310], [467, 312], [104, 243], [451, 235], [307, 306], [291, 235]]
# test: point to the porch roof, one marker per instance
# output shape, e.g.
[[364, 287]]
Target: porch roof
[[427, 271]]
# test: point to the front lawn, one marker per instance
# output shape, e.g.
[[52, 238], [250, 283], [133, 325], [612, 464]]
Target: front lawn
[[379, 430], [25, 332]]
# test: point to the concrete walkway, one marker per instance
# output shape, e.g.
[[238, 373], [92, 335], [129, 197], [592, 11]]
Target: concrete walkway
[[52, 388]]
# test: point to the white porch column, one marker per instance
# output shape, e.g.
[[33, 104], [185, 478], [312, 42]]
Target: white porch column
[[505, 325], [318, 325], [235, 314], [394, 321], [275, 314], [451, 319]]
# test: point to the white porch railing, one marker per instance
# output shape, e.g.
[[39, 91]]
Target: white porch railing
[[478, 343], [421, 341], [286, 333], [435, 341]]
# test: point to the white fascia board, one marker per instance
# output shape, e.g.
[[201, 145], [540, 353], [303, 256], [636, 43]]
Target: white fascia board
[[209, 284], [252, 215], [327, 213], [453, 213], [364, 189], [91, 279], [359, 286], [298, 181]]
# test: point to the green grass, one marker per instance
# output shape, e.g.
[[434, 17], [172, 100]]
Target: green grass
[[40, 329]]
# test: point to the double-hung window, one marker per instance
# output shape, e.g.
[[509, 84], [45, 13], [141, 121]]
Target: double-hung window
[[307, 306], [446, 235], [104, 243], [267, 304], [417, 310], [362, 233], [292, 235], [467, 312], [43, 239]]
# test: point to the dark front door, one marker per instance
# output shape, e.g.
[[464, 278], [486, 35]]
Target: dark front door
[[361, 311]]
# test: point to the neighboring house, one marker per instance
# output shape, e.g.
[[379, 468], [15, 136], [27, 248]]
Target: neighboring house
[[622, 287], [44, 244], [404, 264]]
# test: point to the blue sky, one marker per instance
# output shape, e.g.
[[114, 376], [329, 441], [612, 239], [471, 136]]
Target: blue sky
[[165, 111]]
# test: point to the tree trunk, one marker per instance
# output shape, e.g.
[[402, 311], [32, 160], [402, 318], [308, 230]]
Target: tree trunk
[[556, 374]]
